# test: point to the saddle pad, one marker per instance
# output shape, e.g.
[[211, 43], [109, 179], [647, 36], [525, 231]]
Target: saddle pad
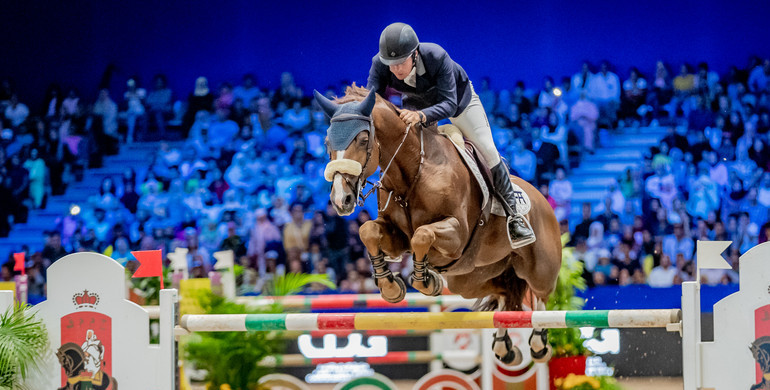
[[523, 204]]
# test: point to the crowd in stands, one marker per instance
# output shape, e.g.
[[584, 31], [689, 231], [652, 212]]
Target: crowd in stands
[[247, 174]]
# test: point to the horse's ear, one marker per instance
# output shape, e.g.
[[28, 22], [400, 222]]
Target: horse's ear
[[327, 105], [367, 104]]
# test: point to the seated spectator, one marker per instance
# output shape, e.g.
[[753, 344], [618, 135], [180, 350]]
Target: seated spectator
[[684, 83], [135, 110], [561, 191], [585, 114], [604, 90], [296, 233], [201, 99], [248, 89], [759, 79], [634, 94], [523, 161], [53, 249], [547, 156], [222, 130], [16, 112], [605, 272], [297, 118], [679, 243], [556, 133], [159, 104], [122, 253], [106, 109], [582, 79]]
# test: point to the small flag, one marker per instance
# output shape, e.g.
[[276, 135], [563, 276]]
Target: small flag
[[108, 251], [225, 260], [710, 254], [18, 264], [150, 264]]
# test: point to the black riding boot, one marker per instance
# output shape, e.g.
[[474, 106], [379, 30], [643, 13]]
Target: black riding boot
[[519, 231]]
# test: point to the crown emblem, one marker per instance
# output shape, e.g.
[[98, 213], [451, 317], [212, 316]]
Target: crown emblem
[[393, 54], [85, 300]]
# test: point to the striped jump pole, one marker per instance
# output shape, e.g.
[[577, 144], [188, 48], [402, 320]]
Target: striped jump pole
[[432, 321], [397, 357], [352, 301]]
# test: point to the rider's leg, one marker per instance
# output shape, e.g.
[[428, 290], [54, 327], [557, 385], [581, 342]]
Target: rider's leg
[[474, 125]]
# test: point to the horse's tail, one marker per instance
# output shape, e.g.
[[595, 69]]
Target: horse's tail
[[512, 288], [114, 383]]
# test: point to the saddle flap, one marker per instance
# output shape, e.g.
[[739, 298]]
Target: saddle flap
[[481, 163]]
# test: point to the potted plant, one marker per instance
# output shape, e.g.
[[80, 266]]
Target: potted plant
[[23, 344], [231, 358], [569, 354]]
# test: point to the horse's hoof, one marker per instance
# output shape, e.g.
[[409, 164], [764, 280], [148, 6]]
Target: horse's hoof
[[513, 355], [542, 356], [400, 286], [433, 284]]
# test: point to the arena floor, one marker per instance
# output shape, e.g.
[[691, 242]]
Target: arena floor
[[640, 383]]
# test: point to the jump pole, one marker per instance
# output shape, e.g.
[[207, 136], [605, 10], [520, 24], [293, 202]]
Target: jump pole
[[431, 321]]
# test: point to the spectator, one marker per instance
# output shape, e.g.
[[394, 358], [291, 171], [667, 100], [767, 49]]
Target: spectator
[[634, 94], [583, 228], [200, 99], [585, 115], [582, 80], [296, 233], [561, 191], [684, 83], [523, 161], [664, 274], [759, 79], [53, 249], [37, 174], [604, 90], [135, 110], [233, 242], [678, 243], [297, 118], [248, 90], [16, 112], [106, 109], [547, 155], [159, 103]]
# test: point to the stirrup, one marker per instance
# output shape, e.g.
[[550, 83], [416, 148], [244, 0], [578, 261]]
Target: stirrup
[[516, 244]]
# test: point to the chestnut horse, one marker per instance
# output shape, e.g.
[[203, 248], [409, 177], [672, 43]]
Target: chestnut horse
[[430, 204]]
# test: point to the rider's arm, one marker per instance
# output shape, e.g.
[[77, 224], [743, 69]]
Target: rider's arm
[[447, 92], [377, 77]]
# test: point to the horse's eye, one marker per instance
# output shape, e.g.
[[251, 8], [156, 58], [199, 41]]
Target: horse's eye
[[363, 142]]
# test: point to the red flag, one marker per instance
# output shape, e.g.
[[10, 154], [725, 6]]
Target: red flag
[[19, 262], [150, 264]]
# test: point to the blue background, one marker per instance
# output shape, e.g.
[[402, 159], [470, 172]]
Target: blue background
[[324, 42]]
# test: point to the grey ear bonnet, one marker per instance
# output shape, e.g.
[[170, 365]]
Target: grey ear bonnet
[[347, 120]]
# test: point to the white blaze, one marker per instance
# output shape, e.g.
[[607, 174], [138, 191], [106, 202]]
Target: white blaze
[[339, 192]]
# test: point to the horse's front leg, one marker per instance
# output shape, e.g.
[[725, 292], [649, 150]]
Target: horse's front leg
[[380, 238], [444, 237]]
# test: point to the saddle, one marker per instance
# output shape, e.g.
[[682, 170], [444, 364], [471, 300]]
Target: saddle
[[478, 167]]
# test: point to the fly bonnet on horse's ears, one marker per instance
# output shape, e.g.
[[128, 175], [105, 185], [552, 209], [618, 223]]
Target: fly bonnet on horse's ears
[[348, 119]]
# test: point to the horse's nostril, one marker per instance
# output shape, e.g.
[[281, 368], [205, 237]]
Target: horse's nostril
[[348, 199]]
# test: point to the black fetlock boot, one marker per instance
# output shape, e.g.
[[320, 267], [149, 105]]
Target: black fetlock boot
[[519, 231]]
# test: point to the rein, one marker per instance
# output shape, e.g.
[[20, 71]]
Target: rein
[[401, 200]]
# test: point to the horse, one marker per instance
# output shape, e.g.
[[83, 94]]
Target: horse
[[73, 361], [429, 205]]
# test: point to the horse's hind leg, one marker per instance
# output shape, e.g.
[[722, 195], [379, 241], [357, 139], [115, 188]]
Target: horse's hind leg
[[539, 348], [503, 347], [381, 238], [444, 237]]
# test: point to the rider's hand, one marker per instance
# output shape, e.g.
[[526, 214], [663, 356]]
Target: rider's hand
[[410, 117]]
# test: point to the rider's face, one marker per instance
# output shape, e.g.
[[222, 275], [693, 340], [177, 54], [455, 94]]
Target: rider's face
[[402, 70]]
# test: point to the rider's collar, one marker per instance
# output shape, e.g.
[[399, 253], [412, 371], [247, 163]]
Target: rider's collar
[[418, 69]]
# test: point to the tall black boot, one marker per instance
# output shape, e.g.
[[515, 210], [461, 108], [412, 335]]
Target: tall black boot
[[519, 232]]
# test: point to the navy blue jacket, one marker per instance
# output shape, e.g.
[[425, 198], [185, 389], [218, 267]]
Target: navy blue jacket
[[443, 91]]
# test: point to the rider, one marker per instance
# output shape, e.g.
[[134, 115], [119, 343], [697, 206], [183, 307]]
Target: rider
[[436, 88]]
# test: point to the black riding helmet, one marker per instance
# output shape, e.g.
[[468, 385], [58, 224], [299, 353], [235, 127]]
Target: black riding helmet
[[397, 42]]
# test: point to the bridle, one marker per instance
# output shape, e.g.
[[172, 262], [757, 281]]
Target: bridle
[[401, 200]]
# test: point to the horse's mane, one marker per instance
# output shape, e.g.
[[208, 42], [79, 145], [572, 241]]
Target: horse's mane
[[354, 93]]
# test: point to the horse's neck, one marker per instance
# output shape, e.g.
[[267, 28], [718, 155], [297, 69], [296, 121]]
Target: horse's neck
[[404, 166]]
